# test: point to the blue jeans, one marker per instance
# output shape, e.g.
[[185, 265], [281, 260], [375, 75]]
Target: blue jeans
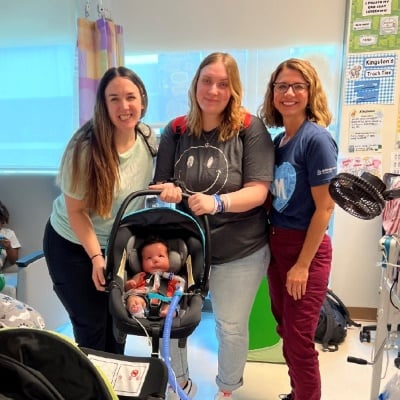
[[178, 360], [232, 314], [233, 287]]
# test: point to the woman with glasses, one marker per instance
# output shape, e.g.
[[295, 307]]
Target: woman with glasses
[[305, 162]]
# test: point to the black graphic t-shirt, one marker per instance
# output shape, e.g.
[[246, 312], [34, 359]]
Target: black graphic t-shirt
[[208, 166]]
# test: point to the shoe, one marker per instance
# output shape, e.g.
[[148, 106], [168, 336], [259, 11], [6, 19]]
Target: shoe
[[285, 396], [190, 389], [223, 396]]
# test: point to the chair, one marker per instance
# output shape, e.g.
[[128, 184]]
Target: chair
[[10, 273], [32, 285]]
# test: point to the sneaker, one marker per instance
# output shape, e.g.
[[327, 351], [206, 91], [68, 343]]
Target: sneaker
[[223, 396], [285, 396], [190, 389]]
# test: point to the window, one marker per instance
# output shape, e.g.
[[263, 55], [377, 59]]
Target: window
[[36, 106], [38, 88], [167, 77]]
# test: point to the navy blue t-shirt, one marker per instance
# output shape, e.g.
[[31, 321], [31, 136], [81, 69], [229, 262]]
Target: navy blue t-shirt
[[308, 159]]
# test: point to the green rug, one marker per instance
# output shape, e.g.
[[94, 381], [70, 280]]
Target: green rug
[[271, 354]]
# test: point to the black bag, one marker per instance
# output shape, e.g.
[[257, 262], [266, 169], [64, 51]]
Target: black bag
[[333, 322]]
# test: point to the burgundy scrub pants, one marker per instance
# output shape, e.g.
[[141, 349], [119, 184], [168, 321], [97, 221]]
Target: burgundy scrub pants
[[298, 319]]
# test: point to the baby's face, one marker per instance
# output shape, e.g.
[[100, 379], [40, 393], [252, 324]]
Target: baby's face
[[155, 258]]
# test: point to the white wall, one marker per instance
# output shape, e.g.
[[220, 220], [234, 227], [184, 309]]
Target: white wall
[[29, 200], [356, 275], [154, 25]]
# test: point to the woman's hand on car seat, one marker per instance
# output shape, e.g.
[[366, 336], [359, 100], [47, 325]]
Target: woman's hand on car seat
[[170, 193], [201, 204], [98, 272]]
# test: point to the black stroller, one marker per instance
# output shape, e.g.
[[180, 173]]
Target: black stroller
[[43, 365], [189, 256]]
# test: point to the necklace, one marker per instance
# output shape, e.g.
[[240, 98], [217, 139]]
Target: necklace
[[285, 139], [209, 136]]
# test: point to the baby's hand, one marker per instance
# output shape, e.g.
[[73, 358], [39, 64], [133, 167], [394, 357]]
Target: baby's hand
[[135, 304], [134, 282]]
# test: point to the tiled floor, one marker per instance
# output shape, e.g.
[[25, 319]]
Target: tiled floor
[[265, 381]]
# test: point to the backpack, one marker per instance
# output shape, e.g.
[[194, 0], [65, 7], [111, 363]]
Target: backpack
[[334, 319]]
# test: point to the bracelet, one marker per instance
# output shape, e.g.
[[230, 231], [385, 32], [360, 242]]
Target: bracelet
[[96, 255], [215, 206], [227, 201], [219, 204]]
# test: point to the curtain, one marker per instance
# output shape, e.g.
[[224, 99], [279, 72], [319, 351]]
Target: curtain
[[100, 46]]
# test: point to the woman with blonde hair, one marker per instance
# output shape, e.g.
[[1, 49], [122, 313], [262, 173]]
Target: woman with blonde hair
[[223, 157]]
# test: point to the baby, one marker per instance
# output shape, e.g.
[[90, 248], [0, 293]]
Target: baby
[[143, 289]]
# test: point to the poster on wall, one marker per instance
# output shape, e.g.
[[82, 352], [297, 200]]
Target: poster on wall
[[374, 25], [370, 79], [356, 165], [365, 130], [398, 129], [395, 162]]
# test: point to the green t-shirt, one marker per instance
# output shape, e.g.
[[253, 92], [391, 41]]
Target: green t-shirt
[[135, 171]]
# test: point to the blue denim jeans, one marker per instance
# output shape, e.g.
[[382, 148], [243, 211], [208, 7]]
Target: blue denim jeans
[[233, 287], [178, 360]]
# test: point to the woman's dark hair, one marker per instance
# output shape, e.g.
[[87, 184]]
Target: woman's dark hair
[[4, 214], [100, 110], [94, 140]]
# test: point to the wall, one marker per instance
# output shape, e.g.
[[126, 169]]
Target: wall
[[29, 200], [369, 135], [154, 25]]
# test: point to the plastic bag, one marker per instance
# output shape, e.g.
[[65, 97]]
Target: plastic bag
[[392, 389]]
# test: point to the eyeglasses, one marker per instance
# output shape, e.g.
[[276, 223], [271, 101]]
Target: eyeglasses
[[282, 87]]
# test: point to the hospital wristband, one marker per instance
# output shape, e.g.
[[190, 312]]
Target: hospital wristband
[[219, 205], [226, 200]]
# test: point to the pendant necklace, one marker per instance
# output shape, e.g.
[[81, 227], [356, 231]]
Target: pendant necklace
[[209, 136]]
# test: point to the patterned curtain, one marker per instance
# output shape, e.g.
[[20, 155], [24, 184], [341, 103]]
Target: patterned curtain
[[100, 46]]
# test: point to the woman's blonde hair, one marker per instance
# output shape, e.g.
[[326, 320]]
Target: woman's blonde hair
[[94, 157], [317, 109], [233, 115]]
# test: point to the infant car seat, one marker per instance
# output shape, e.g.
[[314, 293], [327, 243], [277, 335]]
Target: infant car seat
[[187, 239]]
